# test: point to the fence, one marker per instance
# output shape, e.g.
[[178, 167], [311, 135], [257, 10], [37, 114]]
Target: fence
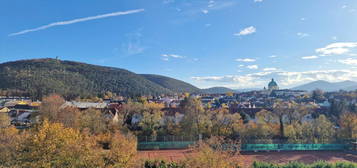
[[165, 145], [292, 147], [182, 142], [166, 138], [165, 142]]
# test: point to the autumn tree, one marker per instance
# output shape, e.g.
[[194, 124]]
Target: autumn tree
[[319, 130], [150, 123], [283, 110], [348, 126], [324, 130], [121, 151], [51, 107], [4, 120], [128, 111], [224, 123], [318, 95], [229, 94], [195, 120], [10, 140], [171, 125], [213, 154], [53, 145], [93, 120]]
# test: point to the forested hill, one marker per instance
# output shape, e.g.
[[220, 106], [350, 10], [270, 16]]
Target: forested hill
[[39, 77], [172, 84]]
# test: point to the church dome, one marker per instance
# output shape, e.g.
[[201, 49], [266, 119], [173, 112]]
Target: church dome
[[273, 85]]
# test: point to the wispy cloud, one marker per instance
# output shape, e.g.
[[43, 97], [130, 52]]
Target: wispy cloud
[[252, 66], [245, 60], [168, 1], [68, 22], [273, 56], [134, 48], [258, 0], [348, 61], [205, 11], [192, 10], [270, 69], [173, 55], [336, 48], [310, 57], [348, 8], [302, 35], [134, 44], [211, 3], [166, 57], [246, 31]]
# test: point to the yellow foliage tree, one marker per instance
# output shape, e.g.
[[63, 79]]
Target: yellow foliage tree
[[206, 156], [4, 120], [348, 124], [10, 139], [122, 151], [93, 120], [53, 145], [51, 107]]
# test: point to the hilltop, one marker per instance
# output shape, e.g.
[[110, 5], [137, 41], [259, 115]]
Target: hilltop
[[172, 84], [328, 86], [39, 77]]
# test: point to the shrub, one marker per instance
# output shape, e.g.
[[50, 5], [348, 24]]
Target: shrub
[[264, 165], [161, 164]]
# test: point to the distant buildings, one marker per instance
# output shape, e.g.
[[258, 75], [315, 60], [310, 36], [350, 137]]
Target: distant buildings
[[85, 105], [19, 109]]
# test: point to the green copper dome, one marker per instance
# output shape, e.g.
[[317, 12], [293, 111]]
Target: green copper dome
[[272, 83]]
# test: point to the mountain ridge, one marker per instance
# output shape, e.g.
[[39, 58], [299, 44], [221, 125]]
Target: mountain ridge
[[39, 77], [328, 86], [173, 84]]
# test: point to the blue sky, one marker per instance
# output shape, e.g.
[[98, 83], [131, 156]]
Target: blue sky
[[232, 43]]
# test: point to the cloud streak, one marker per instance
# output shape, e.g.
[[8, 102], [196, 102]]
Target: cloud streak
[[252, 66], [245, 60], [68, 22], [165, 57], [336, 48], [302, 35], [310, 57], [348, 61], [246, 31]]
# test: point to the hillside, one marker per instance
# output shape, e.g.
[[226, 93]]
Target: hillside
[[217, 90], [38, 77], [171, 83], [328, 86]]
